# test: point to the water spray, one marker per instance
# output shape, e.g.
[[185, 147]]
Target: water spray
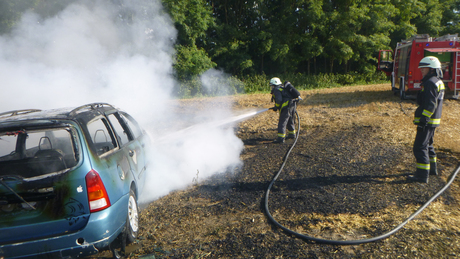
[[214, 124]]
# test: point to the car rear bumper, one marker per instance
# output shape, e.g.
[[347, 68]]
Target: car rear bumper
[[103, 227]]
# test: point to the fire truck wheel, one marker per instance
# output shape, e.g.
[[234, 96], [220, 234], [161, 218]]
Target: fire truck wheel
[[402, 93], [393, 87], [402, 90]]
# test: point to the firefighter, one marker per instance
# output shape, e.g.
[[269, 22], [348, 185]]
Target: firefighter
[[283, 95], [427, 118]]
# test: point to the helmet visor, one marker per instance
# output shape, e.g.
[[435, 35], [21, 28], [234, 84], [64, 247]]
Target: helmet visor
[[423, 64]]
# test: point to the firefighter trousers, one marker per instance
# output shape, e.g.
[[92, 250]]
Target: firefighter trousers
[[423, 147], [286, 120]]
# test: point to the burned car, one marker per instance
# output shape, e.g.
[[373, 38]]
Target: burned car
[[69, 181]]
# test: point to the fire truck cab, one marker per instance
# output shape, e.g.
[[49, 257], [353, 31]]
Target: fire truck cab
[[402, 63]]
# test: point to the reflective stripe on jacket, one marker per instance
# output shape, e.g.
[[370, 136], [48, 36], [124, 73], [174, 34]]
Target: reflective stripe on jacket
[[281, 100], [430, 100]]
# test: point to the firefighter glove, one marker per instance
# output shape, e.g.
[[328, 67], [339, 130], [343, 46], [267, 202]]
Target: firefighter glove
[[274, 108], [297, 100], [423, 121]]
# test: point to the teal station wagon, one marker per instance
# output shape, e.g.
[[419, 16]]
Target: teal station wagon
[[69, 181]]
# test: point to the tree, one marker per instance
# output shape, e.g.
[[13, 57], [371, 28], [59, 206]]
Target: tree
[[192, 19], [191, 61], [248, 37], [295, 26], [450, 21], [406, 12], [429, 22], [11, 11], [239, 27]]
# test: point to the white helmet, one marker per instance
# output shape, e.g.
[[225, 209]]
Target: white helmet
[[275, 81], [430, 61]]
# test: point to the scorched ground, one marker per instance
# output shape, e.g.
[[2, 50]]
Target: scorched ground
[[344, 180]]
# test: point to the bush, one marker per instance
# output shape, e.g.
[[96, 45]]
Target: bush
[[216, 84], [259, 83], [210, 83], [256, 83]]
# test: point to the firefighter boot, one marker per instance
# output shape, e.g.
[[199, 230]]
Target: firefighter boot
[[279, 140], [433, 169], [421, 176], [290, 136]]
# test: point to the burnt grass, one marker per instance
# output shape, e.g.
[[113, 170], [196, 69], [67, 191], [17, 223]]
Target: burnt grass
[[345, 179]]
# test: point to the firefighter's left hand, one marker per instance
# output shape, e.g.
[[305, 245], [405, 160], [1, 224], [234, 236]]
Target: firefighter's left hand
[[424, 121]]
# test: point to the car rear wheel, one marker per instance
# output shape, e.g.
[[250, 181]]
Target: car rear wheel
[[132, 221]]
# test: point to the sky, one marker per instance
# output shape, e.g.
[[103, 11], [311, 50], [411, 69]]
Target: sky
[[92, 51]]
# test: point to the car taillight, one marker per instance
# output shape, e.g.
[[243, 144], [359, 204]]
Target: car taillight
[[97, 195]]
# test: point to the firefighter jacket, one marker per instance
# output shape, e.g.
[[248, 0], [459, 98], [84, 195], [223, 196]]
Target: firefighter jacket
[[430, 100], [283, 95]]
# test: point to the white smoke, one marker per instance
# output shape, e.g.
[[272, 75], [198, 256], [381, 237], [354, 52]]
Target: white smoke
[[98, 51]]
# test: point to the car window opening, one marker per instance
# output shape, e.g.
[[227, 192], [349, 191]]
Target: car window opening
[[30, 153]]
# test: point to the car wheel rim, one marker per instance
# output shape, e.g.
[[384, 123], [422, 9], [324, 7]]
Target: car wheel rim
[[132, 214]]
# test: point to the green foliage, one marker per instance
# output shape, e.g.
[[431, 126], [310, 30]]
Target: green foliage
[[210, 84], [304, 82], [11, 11], [191, 61], [323, 43], [256, 83], [259, 83], [192, 19], [450, 17]]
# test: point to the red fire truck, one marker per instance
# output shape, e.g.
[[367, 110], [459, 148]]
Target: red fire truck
[[402, 63]]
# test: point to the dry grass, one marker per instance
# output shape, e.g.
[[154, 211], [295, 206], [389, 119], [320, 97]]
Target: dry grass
[[345, 181]]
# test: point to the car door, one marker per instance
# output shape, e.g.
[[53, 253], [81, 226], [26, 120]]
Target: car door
[[130, 139]]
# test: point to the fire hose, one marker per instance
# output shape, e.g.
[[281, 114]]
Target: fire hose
[[344, 242]]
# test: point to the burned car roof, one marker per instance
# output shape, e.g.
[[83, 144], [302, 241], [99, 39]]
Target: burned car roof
[[83, 113]]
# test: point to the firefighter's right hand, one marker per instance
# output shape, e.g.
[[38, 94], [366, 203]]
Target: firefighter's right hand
[[298, 99], [274, 108]]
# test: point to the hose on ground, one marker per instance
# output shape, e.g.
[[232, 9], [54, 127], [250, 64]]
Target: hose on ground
[[345, 242]]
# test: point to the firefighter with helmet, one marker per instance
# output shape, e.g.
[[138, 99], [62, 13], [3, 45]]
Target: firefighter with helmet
[[284, 95], [427, 118]]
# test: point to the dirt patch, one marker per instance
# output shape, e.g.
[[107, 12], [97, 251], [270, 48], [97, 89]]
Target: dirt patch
[[345, 180]]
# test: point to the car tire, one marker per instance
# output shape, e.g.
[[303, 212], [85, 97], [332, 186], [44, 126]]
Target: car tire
[[132, 220]]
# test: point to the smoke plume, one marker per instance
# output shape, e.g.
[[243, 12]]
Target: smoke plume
[[120, 53]]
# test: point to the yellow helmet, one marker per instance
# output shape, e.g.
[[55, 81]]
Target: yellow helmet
[[275, 81]]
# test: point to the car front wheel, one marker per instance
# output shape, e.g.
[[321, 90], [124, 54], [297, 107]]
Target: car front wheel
[[132, 224]]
